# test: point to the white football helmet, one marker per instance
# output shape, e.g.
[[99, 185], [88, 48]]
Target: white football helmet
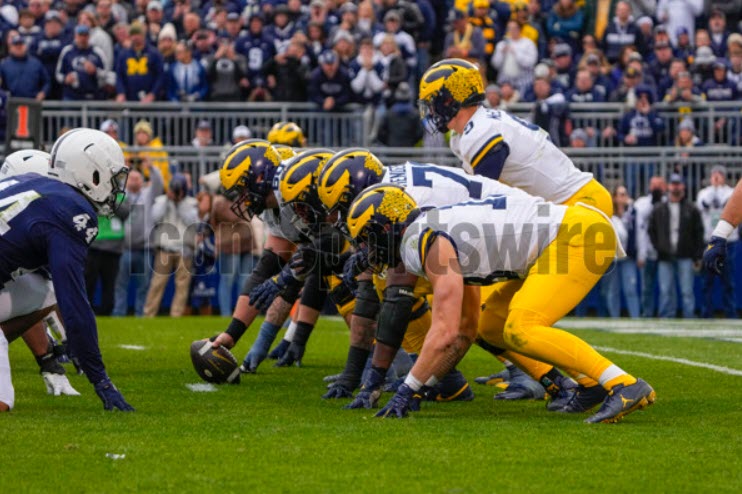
[[25, 161], [92, 162]]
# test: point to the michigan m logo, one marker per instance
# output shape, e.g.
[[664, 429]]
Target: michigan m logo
[[136, 67]]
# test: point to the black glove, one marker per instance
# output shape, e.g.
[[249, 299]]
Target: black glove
[[715, 255], [355, 265], [111, 397], [292, 356]]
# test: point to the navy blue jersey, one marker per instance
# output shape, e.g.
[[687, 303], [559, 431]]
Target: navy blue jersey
[[45, 224], [257, 50]]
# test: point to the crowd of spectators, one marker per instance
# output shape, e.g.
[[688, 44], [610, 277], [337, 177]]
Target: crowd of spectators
[[336, 52]]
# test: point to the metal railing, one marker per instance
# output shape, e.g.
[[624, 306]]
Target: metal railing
[[175, 122], [611, 166]]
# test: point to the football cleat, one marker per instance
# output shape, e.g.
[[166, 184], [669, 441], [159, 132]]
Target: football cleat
[[582, 399], [567, 390], [521, 387], [453, 387], [494, 379], [622, 400]]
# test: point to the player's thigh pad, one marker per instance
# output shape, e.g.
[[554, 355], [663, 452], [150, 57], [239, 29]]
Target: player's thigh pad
[[24, 295]]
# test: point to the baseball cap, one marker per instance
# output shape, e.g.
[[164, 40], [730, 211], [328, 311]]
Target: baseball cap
[[592, 59], [203, 125], [717, 13], [631, 72], [456, 15], [661, 44], [109, 125], [646, 91], [562, 50], [636, 56], [578, 134], [82, 29], [676, 178], [241, 131], [154, 5], [644, 20], [719, 169], [136, 28], [53, 15], [17, 40], [179, 183], [720, 63], [392, 15], [328, 57], [492, 88], [348, 7], [705, 55], [541, 71], [681, 30], [687, 124], [233, 16]]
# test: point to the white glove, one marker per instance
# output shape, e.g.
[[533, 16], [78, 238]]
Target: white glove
[[58, 384]]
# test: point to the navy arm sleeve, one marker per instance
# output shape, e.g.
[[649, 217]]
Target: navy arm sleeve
[[67, 257], [490, 158]]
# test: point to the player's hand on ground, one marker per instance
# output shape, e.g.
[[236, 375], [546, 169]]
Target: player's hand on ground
[[293, 355], [337, 391], [222, 339], [368, 396], [111, 397], [401, 404], [715, 255], [58, 384]]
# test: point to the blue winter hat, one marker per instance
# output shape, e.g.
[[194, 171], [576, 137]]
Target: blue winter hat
[[641, 89], [328, 57]]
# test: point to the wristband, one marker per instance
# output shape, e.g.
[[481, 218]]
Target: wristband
[[413, 383], [723, 229]]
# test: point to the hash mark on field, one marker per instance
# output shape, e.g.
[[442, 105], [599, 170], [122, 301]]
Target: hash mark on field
[[201, 387], [133, 347], [691, 363]]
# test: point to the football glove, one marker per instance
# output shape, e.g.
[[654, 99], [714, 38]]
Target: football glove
[[404, 401], [338, 390], [111, 397], [279, 350], [715, 255], [368, 396], [355, 265], [292, 356], [260, 347], [58, 384], [262, 296], [303, 262]]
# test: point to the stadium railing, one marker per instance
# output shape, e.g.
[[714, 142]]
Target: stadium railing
[[630, 166], [175, 122]]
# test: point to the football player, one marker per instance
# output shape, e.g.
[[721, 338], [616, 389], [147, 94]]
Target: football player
[[46, 354], [47, 224], [286, 134], [553, 253], [247, 175], [731, 216], [344, 177], [503, 147]]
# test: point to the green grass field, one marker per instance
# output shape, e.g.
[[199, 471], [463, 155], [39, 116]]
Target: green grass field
[[273, 432]]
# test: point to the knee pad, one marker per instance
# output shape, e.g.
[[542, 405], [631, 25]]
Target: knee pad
[[367, 300], [269, 264], [314, 293], [395, 314]]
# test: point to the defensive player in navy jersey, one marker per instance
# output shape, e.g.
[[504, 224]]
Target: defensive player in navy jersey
[[46, 226]]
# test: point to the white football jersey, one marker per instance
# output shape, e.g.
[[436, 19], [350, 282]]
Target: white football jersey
[[283, 223], [534, 164], [437, 186], [497, 238]]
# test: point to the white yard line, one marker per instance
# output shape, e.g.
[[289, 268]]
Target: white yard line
[[133, 347], [691, 363], [729, 330]]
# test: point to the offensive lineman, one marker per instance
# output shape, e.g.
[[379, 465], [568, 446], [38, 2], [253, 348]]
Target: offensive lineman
[[47, 224], [716, 252], [557, 253]]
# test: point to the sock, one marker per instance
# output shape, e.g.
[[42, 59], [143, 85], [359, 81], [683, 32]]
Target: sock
[[259, 350], [236, 329], [549, 381], [290, 332], [301, 335], [354, 365], [614, 376]]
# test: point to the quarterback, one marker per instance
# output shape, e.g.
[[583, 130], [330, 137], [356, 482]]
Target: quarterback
[[555, 253]]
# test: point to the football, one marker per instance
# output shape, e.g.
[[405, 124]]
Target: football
[[214, 365]]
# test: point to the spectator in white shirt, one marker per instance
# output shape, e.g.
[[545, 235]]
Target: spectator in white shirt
[[514, 58]]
